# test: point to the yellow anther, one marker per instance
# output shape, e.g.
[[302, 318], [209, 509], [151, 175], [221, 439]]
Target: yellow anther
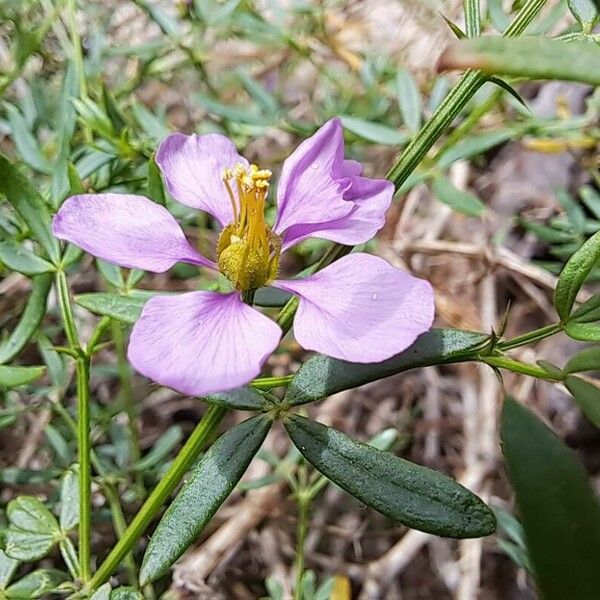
[[248, 251]]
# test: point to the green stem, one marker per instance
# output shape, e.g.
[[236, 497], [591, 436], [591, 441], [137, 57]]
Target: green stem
[[454, 102], [108, 488], [82, 364], [472, 18], [64, 301], [530, 337], [504, 362], [201, 435], [267, 383], [85, 469], [304, 500]]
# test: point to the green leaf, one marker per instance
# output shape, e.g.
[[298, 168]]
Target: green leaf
[[208, 486], [30, 318], [408, 493], [374, 132], [458, 200], [322, 376], [243, 398], [27, 145], [508, 88], [586, 360], [587, 396], [69, 498], [409, 100], [102, 593], [32, 531], [160, 450], [8, 566], [29, 204], [585, 12], [574, 274], [554, 59], [16, 257], [12, 377], [586, 332], [156, 190], [559, 513], [588, 311], [37, 584], [111, 272], [125, 593], [123, 308], [591, 198]]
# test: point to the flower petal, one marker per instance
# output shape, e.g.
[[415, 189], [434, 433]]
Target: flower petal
[[371, 199], [131, 231], [192, 166], [360, 309], [309, 190], [201, 342]]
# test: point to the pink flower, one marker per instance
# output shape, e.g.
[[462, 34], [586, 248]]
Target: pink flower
[[359, 309]]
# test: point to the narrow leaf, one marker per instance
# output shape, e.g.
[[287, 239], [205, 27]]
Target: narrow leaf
[[244, 398], [160, 450], [208, 486], [27, 145], [458, 200], [69, 499], [408, 493], [123, 308], [574, 274], [12, 377], [409, 100], [585, 332], [18, 258], [554, 59], [29, 204], [586, 360], [559, 513], [374, 132], [31, 317], [587, 396], [588, 311], [39, 584], [322, 376]]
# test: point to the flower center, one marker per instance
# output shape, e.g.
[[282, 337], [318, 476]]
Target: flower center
[[248, 251]]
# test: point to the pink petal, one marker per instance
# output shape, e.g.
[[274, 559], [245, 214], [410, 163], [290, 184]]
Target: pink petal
[[371, 199], [127, 230], [201, 342], [192, 166], [361, 309], [308, 190]]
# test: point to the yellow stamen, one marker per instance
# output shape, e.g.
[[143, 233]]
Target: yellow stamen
[[248, 251]]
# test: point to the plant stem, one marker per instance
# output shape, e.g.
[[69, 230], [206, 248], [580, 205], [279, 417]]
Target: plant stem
[[472, 18], [304, 500], [82, 365], [85, 469], [454, 102], [503, 362], [201, 435], [266, 383], [528, 338]]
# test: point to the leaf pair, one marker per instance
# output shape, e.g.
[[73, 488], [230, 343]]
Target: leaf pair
[[408, 493]]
